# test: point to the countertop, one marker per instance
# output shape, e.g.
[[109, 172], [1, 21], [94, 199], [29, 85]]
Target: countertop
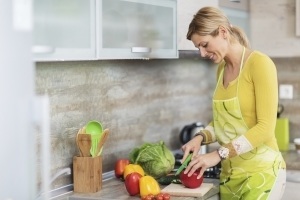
[[115, 189]]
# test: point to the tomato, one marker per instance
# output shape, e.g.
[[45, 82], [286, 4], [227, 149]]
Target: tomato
[[132, 183], [166, 196], [120, 167], [192, 181], [148, 197], [151, 196], [159, 196]]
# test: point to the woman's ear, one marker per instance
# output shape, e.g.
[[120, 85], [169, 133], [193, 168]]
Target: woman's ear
[[223, 32]]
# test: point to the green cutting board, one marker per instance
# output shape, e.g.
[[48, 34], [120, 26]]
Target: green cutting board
[[282, 134]]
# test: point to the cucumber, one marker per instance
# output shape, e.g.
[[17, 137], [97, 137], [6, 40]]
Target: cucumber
[[166, 180]]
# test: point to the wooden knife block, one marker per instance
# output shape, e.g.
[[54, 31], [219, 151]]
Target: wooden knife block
[[87, 174]]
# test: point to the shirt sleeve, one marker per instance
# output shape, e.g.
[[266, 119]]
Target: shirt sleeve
[[263, 75]]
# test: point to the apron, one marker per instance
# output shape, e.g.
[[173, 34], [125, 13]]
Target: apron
[[250, 175]]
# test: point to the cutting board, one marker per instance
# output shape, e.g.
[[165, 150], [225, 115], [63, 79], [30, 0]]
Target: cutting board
[[181, 190]]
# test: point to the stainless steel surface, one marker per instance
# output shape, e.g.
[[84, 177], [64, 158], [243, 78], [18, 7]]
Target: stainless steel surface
[[42, 49], [140, 49]]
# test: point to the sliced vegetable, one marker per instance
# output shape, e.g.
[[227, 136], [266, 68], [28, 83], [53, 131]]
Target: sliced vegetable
[[132, 183], [148, 186], [120, 167], [192, 181], [130, 168]]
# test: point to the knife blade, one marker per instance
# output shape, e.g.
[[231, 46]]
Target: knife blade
[[184, 164]]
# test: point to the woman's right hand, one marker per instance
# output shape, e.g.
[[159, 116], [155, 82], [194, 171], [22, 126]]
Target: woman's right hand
[[193, 146]]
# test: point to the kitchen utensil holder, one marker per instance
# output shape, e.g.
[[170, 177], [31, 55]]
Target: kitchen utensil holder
[[87, 174]]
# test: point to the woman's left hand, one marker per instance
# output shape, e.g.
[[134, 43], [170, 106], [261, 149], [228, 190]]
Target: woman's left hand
[[202, 161]]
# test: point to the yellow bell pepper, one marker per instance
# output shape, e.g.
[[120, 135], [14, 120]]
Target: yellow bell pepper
[[148, 185], [130, 168]]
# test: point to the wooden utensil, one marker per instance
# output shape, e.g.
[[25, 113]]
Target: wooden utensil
[[102, 141], [77, 142], [84, 144]]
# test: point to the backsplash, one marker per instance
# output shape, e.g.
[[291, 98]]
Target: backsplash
[[138, 100]]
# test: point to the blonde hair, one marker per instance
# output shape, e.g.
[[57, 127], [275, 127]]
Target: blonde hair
[[207, 21]]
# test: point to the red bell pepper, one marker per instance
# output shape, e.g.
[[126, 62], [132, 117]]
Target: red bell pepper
[[120, 167], [132, 183]]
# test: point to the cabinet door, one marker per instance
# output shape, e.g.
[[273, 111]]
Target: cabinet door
[[136, 29], [64, 30]]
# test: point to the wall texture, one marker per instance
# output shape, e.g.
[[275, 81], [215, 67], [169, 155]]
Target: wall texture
[[273, 27], [288, 70], [139, 101]]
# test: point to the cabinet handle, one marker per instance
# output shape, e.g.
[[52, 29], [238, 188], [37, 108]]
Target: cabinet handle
[[40, 49], [140, 49]]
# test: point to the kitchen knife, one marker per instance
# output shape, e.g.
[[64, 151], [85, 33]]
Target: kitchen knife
[[184, 164]]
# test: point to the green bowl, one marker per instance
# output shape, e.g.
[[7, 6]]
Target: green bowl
[[94, 128]]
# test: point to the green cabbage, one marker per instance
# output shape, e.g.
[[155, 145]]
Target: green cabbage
[[155, 158]]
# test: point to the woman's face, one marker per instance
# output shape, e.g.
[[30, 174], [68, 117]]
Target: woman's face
[[213, 48]]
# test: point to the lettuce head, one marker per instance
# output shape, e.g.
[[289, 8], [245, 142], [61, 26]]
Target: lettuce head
[[155, 158]]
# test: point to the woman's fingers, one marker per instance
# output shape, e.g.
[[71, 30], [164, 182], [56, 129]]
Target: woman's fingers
[[200, 162], [186, 149]]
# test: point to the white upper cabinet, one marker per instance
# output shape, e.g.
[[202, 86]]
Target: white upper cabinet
[[64, 30], [136, 29], [186, 10], [104, 29]]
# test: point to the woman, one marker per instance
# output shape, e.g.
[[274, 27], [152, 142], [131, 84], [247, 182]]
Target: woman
[[245, 104]]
